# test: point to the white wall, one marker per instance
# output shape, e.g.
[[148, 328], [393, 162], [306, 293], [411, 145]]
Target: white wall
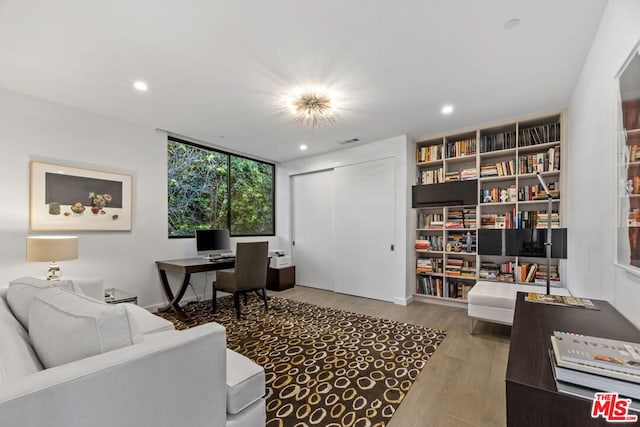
[[592, 143], [34, 129], [397, 148]]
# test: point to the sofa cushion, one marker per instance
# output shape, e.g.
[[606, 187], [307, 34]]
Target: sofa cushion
[[148, 323], [65, 326], [17, 357], [21, 292], [245, 382]]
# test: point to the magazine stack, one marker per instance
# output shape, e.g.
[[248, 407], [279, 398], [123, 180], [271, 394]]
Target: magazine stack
[[583, 365]]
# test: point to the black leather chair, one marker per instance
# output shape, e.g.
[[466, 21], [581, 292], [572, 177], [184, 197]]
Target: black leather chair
[[249, 274]]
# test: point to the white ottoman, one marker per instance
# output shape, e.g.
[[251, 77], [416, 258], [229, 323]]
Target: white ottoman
[[495, 301]]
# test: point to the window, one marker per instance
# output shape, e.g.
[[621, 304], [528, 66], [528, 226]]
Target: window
[[208, 188]]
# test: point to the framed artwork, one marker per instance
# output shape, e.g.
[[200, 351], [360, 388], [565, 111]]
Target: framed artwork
[[71, 198], [628, 164]]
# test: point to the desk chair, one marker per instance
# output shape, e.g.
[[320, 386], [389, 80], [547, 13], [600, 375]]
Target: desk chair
[[249, 274]]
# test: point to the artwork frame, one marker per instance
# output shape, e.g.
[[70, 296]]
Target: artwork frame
[[627, 122], [69, 198]]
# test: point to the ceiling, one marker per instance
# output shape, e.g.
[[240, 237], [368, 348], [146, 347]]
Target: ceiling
[[217, 69]]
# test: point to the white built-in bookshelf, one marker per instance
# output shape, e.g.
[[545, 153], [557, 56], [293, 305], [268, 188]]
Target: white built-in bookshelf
[[503, 158]]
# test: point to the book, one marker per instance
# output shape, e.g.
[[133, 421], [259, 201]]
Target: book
[[599, 379], [612, 355], [560, 300], [582, 391]]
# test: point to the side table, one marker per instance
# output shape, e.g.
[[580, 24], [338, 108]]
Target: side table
[[279, 279], [117, 296]]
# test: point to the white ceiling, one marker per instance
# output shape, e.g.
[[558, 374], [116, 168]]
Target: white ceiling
[[217, 68]]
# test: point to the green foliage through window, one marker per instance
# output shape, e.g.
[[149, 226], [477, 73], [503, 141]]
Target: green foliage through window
[[203, 183]]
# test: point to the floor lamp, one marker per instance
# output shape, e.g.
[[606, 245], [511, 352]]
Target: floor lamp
[[548, 244]]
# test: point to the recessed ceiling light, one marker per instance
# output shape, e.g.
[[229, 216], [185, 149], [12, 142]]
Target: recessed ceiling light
[[141, 86], [447, 109], [511, 24], [303, 147]]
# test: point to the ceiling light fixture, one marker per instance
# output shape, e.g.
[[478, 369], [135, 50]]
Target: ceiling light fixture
[[447, 109], [141, 86], [511, 24], [312, 106], [303, 147]]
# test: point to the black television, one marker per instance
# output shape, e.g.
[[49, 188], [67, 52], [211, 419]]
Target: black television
[[212, 242], [530, 242], [522, 242]]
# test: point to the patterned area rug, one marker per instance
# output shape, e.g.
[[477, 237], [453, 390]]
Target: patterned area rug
[[324, 367]]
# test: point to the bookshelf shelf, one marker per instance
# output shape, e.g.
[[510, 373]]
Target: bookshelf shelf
[[537, 147], [544, 174], [508, 153], [430, 163], [498, 153], [497, 178]]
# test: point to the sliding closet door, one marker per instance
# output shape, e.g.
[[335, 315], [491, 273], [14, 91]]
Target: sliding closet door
[[312, 228], [364, 229]]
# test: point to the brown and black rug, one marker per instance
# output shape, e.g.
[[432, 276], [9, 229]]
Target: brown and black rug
[[324, 366]]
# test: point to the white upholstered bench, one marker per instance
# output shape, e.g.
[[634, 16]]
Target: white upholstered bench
[[495, 301]]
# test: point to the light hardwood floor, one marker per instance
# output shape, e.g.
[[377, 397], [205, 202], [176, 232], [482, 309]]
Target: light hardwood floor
[[463, 383]]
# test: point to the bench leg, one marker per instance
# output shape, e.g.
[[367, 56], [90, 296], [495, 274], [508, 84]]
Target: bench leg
[[471, 325]]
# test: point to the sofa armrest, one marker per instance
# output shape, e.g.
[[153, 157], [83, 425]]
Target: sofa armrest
[[173, 378], [91, 286]]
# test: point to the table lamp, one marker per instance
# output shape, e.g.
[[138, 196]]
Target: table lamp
[[52, 248]]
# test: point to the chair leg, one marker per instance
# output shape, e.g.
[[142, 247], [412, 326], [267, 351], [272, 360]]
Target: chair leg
[[264, 297], [236, 300], [213, 297], [245, 298]]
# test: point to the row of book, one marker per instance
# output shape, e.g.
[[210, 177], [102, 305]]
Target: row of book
[[430, 243], [583, 365], [536, 219], [536, 191], [428, 285], [505, 168], [460, 267], [435, 286], [496, 220], [429, 154], [498, 194], [431, 176], [461, 218], [429, 265], [548, 161], [634, 152], [498, 141], [524, 273], [430, 220], [541, 134], [461, 148]]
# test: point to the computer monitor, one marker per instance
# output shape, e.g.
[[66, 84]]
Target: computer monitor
[[212, 242]]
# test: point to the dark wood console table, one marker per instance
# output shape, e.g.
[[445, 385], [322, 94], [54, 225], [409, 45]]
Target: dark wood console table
[[186, 267], [532, 399]]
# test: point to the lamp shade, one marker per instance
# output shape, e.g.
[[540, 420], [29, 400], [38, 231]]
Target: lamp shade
[[52, 248]]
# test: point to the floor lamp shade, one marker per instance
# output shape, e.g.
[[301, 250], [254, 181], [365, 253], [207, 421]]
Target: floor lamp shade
[[52, 249]]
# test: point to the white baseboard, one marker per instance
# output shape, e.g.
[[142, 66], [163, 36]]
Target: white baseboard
[[403, 301]]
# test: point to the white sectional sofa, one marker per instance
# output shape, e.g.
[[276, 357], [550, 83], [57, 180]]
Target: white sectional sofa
[[495, 301], [79, 362]]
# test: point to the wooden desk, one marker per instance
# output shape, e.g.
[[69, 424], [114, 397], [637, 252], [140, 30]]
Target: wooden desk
[[532, 399], [186, 267]]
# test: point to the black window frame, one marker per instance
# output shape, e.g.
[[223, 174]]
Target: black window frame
[[228, 208]]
